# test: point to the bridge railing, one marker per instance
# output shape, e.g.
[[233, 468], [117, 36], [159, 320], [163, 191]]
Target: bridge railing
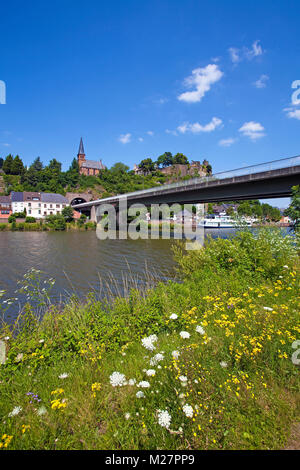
[[248, 170]]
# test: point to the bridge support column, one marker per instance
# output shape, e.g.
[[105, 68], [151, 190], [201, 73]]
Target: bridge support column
[[93, 214]]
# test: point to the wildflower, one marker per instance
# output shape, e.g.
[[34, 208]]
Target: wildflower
[[127, 415], [140, 394], [184, 334], [131, 381], [173, 316], [286, 267], [6, 338], [41, 341], [41, 411], [117, 379], [25, 427], [183, 379], [269, 309], [164, 419], [175, 354], [223, 364], [63, 376], [188, 411], [15, 411], [147, 342], [156, 359], [200, 330], [96, 387], [143, 384], [150, 372], [6, 440]]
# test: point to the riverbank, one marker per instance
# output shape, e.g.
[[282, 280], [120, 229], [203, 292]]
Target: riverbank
[[44, 227], [206, 363]]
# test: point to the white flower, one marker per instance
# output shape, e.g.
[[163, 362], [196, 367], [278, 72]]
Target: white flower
[[148, 342], [131, 382], [200, 330], [286, 267], [184, 334], [175, 354], [223, 364], [150, 372], [188, 411], [117, 379], [127, 415], [269, 309], [164, 419], [156, 359], [183, 379], [143, 384], [41, 341], [63, 376], [15, 411], [41, 411], [6, 338], [140, 394], [173, 316]]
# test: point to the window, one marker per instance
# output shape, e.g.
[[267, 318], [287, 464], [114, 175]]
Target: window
[[29, 212], [50, 206], [29, 204], [39, 211], [45, 205]]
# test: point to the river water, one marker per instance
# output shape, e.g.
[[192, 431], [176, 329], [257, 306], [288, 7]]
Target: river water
[[80, 263]]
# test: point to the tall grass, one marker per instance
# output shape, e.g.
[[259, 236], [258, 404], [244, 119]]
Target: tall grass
[[203, 364]]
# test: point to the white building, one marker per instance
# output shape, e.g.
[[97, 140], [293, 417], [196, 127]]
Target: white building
[[38, 205]]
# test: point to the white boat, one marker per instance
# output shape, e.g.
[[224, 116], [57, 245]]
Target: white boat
[[221, 221]]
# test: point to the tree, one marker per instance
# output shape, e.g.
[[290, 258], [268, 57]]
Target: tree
[[293, 211], [37, 165], [17, 167], [7, 164], [119, 167], [1, 162], [147, 165], [181, 159], [67, 213], [164, 160]]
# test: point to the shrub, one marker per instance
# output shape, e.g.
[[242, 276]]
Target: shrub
[[30, 220]]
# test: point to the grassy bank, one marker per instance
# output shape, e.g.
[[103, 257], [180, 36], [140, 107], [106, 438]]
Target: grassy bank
[[201, 364], [44, 227]]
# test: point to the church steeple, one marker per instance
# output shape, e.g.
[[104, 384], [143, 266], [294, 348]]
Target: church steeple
[[81, 148]]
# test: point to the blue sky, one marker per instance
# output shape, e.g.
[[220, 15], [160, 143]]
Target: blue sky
[[138, 78]]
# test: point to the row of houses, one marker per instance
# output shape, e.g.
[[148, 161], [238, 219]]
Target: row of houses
[[37, 205]]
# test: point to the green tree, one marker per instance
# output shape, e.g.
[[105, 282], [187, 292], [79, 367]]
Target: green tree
[[147, 165], [119, 168], [1, 162], [164, 160], [293, 211], [17, 167], [67, 213], [37, 165], [179, 158], [7, 164]]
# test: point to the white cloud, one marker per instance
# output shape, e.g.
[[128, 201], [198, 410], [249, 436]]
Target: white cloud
[[262, 81], [293, 113], [234, 54], [6, 145], [237, 55], [140, 139], [196, 128], [201, 79], [253, 130], [168, 131], [227, 142], [150, 132], [125, 138]]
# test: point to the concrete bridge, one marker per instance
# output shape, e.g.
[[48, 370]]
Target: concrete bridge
[[266, 180]]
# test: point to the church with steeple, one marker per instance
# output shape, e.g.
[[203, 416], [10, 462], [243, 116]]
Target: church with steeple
[[88, 167]]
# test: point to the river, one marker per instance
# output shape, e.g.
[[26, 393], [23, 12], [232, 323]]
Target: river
[[80, 263]]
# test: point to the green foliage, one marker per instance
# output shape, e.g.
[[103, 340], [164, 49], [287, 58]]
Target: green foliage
[[56, 222], [30, 220], [293, 210], [67, 213]]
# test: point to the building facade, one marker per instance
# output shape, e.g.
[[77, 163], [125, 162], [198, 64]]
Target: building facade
[[88, 167], [5, 208], [38, 205]]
